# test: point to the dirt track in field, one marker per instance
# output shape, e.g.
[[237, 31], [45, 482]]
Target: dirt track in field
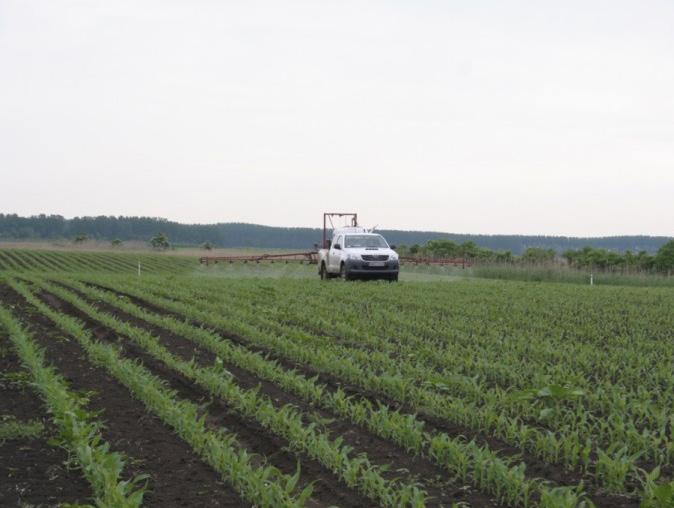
[[536, 468]]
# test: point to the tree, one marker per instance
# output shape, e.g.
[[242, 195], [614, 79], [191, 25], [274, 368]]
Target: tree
[[664, 259], [116, 242], [441, 248], [468, 249], [160, 242], [503, 257], [207, 246], [538, 255], [80, 239]]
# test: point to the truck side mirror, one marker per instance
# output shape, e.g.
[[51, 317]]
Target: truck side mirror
[[393, 247], [338, 247]]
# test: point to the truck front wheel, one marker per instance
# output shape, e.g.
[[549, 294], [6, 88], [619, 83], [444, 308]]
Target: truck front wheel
[[343, 273]]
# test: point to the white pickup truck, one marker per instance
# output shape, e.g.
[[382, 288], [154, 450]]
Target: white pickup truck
[[355, 253]]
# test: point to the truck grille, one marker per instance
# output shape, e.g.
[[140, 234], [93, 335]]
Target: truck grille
[[375, 257]]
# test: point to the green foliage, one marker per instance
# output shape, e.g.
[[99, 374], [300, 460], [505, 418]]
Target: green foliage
[[564, 497], [400, 352], [286, 422], [605, 260], [80, 239], [656, 495], [22, 260], [569, 276], [251, 235], [664, 259], [116, 242], [264, 485], [443, 248], [10, 428], [576, 376], [79, 431], [538, 255], [160, 242], [207, 246], [550, 398]]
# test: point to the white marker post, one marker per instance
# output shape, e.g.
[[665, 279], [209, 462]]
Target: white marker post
[[591, 278], [138, 268]]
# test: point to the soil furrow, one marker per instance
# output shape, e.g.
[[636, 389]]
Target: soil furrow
[[380, 451], [177, 476], [536, 468], [327, 488], [32, 472]]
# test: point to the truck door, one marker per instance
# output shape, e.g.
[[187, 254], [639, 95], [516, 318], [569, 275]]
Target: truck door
[[335, 255]]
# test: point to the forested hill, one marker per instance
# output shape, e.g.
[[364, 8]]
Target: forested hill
[[51, 227]]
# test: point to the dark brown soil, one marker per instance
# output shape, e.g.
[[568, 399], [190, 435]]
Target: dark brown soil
[[327, 490], [31, 471], [442, 491], [536, 468], [177, 476]]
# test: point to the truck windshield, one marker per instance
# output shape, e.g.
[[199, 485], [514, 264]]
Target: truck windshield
[[365, 241]]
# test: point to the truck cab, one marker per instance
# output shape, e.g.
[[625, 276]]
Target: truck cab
[[354, 253]]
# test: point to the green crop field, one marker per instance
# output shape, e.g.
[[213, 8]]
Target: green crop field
[[260, 385]]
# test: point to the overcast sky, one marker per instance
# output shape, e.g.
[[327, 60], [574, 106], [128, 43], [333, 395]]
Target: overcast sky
[[471, 117]]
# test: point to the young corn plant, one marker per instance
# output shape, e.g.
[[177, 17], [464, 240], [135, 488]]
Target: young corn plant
[[405, 430], [79, 432], [286, 421], [656, 495], [263, 486]]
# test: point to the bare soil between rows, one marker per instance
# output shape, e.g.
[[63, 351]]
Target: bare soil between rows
[[327, 490], [535, 468], [442, 490], [32, 472], [177, 476]]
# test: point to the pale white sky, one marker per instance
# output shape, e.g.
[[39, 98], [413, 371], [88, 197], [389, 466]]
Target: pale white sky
[[471, 117]]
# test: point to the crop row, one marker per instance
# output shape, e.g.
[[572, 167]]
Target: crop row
[[442, 358], [286, 422], [582, 410], [22, 260], [79, 430], [369, 369], [262, 485], [405, 429], [505, 481], [613, 465]]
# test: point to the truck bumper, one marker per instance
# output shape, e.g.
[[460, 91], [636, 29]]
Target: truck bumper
[[362, 269]]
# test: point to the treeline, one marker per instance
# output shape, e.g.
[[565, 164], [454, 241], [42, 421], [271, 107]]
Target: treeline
[[443, 249], [52, 227], [586, 258], [627, 262]]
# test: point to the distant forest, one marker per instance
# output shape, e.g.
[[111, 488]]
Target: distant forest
[[56, 227]]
